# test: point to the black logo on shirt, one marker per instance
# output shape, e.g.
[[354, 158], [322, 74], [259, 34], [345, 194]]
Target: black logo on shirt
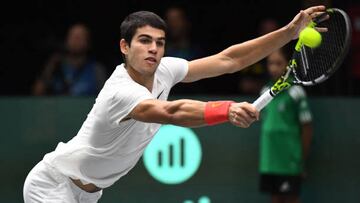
[[159, 94]]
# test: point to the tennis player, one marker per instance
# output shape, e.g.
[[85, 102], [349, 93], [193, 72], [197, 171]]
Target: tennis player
[[133, 104]]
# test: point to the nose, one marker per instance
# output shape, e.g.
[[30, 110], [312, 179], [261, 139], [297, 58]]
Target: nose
[[153, 48]]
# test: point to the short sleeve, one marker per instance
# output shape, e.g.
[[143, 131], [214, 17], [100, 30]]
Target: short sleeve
[[299, 95], [125, 100], [175, 68]]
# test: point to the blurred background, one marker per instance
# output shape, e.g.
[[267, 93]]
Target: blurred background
[[32, 31], [41, 105]]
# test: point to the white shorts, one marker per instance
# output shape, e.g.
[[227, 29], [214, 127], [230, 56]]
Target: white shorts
[[46, 184]]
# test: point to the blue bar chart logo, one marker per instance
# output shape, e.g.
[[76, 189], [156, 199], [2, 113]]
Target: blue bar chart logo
[[174, 154]]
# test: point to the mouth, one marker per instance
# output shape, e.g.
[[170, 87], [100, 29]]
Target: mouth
[[151, 60]]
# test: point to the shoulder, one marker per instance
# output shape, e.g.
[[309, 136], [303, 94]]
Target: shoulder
[[172, 69], [172, 61], [297, 92], [119, 74]]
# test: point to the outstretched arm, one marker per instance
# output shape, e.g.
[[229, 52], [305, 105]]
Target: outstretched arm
[[239, 56], [192, 113]]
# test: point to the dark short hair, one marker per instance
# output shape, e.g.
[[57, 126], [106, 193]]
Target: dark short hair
[[140, 19]]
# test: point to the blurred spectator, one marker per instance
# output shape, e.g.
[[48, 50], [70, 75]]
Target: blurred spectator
[[179, 43], [286, 134], [72, 71], [253, 78]]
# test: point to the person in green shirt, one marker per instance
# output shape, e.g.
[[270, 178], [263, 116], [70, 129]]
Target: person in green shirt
[[286, 134]]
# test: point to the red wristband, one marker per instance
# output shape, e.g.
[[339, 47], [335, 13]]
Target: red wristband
[[217, 112]]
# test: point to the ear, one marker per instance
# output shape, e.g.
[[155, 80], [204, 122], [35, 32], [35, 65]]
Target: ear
[[124, 47]]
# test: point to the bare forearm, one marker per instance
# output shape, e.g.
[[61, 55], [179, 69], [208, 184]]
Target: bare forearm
[[239, 56], [188, 113], [251, 51], [184, 112], [192, 113]]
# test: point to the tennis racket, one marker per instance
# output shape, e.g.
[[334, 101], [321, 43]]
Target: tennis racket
[[311, 66]]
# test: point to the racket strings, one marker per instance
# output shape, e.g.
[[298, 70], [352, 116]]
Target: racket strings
[[318, 63]]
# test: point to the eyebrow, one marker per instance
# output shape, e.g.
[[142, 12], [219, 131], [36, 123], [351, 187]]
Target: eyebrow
[[148, 36]]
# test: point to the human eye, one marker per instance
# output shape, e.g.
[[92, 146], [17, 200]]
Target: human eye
[[145, 40], [160, 43]]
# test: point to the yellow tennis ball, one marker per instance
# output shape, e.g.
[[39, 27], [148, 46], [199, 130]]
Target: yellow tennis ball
[[310, 37]]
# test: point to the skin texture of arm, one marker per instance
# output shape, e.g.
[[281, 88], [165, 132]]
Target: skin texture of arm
[[189, 113], [239, 56]]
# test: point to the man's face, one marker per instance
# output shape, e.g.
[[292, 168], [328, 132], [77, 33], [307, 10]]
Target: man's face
[[146, 49]]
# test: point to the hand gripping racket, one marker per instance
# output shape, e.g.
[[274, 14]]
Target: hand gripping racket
[[311, 66]]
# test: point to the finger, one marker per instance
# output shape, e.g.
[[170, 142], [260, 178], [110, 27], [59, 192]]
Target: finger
[[238, 121], [245, 125], [321, 29], [235, 121], [240, 117], [316, 14], [315, 9], [244, 117], [254, 114], [319, 17], [251, 109], [322, 17], [248, 107], [248, 118]]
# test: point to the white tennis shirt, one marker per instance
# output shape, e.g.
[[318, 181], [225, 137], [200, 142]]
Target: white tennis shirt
[[106, 149]]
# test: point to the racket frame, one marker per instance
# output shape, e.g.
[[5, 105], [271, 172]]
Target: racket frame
[[284, 83]]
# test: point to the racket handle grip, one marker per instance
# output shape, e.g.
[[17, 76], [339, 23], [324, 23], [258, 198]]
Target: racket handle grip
[[263, 100]]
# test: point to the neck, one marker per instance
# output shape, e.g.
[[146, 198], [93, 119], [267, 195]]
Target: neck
[[142, 79]]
